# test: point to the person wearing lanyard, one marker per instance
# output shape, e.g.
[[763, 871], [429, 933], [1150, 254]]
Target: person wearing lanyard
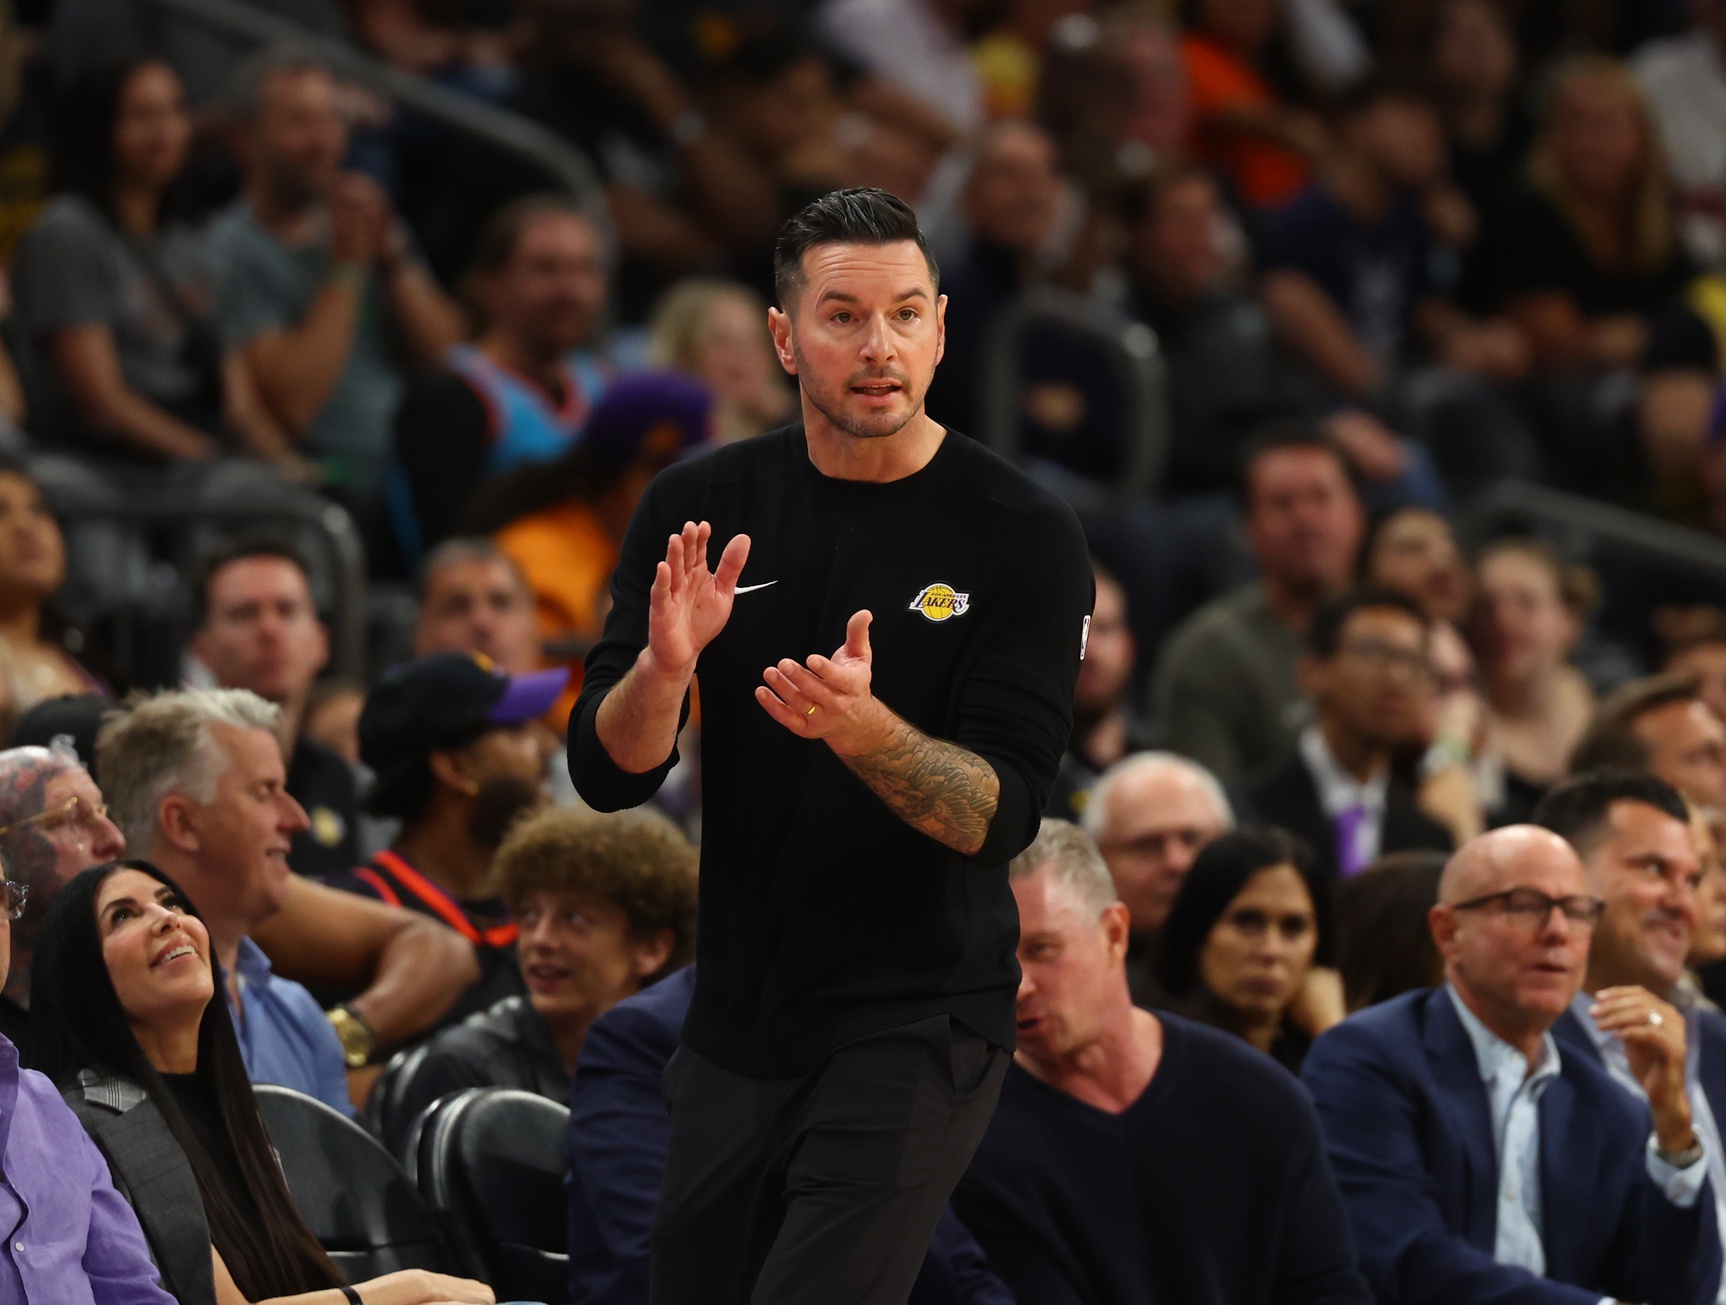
[[458, 752]]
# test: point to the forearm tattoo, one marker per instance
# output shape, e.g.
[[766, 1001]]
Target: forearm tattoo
[[935, 787]]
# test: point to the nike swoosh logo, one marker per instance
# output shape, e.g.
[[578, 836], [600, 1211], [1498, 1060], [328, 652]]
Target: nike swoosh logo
[[749, 589]]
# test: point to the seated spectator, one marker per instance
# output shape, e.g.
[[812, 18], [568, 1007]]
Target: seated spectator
[[1413, 551], [1475, 1159], [1701, 656], [1661, 727], [1584, 254], [1369, 676], [403, 970], [1226, 371], [1683, 79], [521, 391], [319, 276], [116, 291], [34, 664], [73, 1239], [1475, 67], [1226, 692], [1011, 204], [1350, 265], [458, 753], [716, 331], [474, 598], [1151, 814], [1251, 921], [197, 783], [563, 524], [1138, 1157], [1383, 947], [619, 1129], [1241, 126], [1104, 726], [53, 823], [147, 1054], [258, 629], [605, 906], [1530, 618], [1633, 833]]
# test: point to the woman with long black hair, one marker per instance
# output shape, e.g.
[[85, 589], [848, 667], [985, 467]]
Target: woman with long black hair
[[115, 294], [124, 987]]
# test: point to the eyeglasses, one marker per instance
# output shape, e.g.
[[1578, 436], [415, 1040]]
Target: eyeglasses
[[1382, 656], [74, 811], [15, 896], [1533, 908]]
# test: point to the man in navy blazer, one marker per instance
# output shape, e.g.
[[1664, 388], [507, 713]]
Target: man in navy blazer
[[619, 1128], [1634, 835], [1478, 1164]]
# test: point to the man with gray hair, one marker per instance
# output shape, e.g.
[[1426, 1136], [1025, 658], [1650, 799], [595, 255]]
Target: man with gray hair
[[1138, 1157], [195, 780], [316, 272], [1152, 814]]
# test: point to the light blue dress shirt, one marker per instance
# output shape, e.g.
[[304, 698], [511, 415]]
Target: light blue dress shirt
[[285, 1037], [1701, 1114], [1513, 1092]]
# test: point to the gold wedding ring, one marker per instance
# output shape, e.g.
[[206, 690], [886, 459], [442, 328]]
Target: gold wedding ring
[[812, 707]]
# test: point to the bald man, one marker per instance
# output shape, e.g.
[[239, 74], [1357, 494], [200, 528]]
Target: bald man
[[1477, 1163]]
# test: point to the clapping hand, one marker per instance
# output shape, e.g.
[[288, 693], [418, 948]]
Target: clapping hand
[[690, 605]]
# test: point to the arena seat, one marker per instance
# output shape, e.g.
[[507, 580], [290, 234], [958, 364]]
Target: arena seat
[[383, 1116], [490, 1162], [363, 1209]]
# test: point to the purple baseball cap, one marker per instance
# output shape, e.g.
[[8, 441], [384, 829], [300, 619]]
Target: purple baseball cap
[[446, 700]]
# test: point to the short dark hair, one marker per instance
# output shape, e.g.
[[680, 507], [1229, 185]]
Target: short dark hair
[[1404, 87], [1578, 809], [1383, 945], [240, 550], [503, 230], [1277, 436], [1611, 738], [1325, 634], [864, 216], [1218, 875]]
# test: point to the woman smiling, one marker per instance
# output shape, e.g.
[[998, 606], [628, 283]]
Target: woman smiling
[[133, 1028]]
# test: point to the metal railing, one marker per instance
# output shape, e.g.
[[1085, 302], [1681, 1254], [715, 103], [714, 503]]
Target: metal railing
[[1130, 348], [1577, 526]]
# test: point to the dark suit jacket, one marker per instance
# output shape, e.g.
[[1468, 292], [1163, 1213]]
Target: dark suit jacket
[[1409, 1131], [151, 1171], [1286, 796], [618, 1133]]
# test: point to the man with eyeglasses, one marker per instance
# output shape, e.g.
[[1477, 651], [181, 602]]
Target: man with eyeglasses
[[1480, 1163], [1638, 848], [67, 1237], [1369, 678], [52, 825]]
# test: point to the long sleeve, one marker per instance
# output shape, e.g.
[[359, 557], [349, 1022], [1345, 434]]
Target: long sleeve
[[1013, 712], [619, 1132], [1409, 1255], [116, 1257], [1316, 1260]]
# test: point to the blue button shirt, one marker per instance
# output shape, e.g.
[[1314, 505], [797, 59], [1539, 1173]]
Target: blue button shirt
[[70, 1238], [285, 1038]]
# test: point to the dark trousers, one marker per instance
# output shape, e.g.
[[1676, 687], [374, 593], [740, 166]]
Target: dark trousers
[[822, 1189]]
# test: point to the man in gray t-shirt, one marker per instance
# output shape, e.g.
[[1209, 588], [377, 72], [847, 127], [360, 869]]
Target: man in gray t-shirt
[[320, 289]]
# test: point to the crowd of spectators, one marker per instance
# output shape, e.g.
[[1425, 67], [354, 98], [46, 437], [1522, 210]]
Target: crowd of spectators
[[1374, 943]]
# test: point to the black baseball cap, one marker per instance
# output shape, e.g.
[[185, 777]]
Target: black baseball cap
[[444, 701]]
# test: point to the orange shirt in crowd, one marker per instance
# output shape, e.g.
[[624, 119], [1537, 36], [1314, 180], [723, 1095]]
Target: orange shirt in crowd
[[1218, 79], [568, 560]]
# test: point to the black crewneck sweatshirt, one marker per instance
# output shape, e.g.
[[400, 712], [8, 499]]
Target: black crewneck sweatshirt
[[824, 917]]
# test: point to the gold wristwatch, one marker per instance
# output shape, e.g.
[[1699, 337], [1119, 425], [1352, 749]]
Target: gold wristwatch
[[355, 1035]]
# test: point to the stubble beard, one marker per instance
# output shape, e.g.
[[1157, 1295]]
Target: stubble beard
[[845, 422]]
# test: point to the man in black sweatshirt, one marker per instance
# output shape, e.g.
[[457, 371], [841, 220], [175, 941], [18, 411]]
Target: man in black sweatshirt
[[853, 1017]]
